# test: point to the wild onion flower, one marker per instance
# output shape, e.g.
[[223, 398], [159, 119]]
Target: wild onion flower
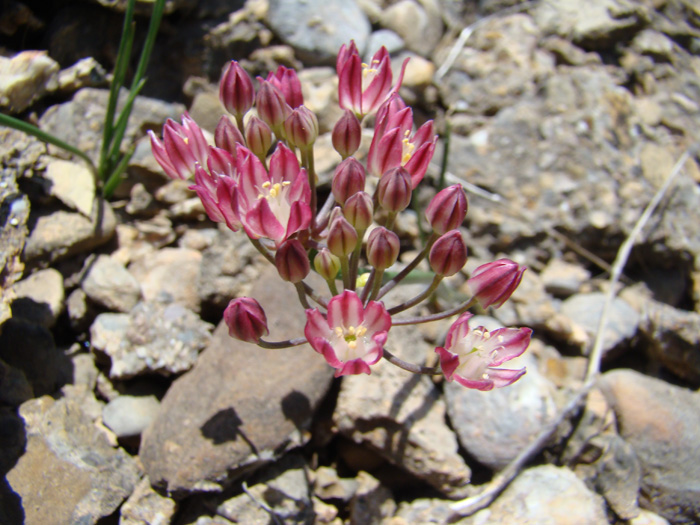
[[183, 147], [470, 356], [351, 336], [493, 283], [246, 320]]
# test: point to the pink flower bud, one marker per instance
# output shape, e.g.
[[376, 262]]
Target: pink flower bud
[[246, 320], [291, 261], [342, 237], [447, 209], [301, 128], [382, 248], [236, 90], [348, 179], [493, 283], [394, 190], [327, 265], [258, 136], [359, 210], [287, 81], [449, 254], [271, 105], [227, 135], [347, 134]]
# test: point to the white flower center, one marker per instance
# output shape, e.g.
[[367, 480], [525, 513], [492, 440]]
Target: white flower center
[[476, 353], [354, 342], [276, 196]]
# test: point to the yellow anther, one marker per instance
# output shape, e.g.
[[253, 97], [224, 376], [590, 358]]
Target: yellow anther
[[286, 183], [351, 330], [352, 345], [187, 140], [338, 331], [361, 331]]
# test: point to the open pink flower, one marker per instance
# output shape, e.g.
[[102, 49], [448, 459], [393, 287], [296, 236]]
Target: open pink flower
[[393, 145], [471, 355], [351, 337], [274, 204], [362, 88], [182, 148]]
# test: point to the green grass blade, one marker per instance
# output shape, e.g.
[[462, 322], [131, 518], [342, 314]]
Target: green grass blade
[[153, 26], [122, 121], [115, 177], [118, 76], [30, 129]]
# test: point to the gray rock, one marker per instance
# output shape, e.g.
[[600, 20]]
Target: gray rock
[[661, 422], [229, 267], [165, 339], [284, 488], [169, 275], [427, 511], [329, 485], [545, 495], [240, 406], [128, 416], [596, 24], [40, 297], [69, 472], [79, 121], [402, 416], [419, 24], [673, 338], [146, 507], [60, 234], [317, 28], [496, 426], [25, 78], [384, 37], [585, 310], [563, 279], [81, 312], [110, 285]]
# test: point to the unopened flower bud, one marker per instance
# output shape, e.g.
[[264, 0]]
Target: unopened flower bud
[[394, 190], [342, 237], [447, 209], [347, 134], [287, 81], [301, 128], [359, 210], [258, 136], [291, 261], [382, 248], [271, 105], [246, 320], [449, 254], [493, 283], [236, 90], [327, 265], [227, 135], [348, 179]]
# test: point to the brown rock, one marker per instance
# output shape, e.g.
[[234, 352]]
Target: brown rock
[[240, 405]]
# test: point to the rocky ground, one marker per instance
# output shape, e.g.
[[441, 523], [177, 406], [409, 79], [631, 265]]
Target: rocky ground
[[121, 401]]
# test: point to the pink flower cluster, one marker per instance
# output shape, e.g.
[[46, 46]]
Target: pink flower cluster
[[272, 197]]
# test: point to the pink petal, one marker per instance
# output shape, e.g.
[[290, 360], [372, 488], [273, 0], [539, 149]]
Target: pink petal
[[378, 88], [350, 84], [448, 362], [316, 326], [345, 310], [417, 165], [300, 217], [515, 342], [481, 384], [386, 154], [354, 367], [284, 165], [458, 330], [261, 222], [376, 318], [161, 156], [503, 377]]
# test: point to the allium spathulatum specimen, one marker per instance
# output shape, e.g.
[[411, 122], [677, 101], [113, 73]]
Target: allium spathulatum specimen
[[258, 177]]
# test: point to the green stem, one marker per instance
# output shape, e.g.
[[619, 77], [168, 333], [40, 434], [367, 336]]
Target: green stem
[[459, 309], [376, 285], [345, 269], [278, 345], [115, 178], [408, 269], [418, 298]]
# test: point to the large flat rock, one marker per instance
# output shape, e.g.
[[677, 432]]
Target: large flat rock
[[240, 406]]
